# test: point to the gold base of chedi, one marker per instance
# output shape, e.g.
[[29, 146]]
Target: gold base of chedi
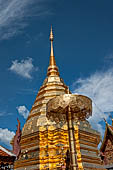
[[47, 148], [44, 143]]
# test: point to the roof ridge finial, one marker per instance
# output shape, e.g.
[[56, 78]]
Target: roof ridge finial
[[105, 120]]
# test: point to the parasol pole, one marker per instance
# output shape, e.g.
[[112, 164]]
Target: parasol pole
[[72, 142]]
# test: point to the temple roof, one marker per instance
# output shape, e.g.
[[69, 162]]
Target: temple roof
[[107, 135], [5, 152]]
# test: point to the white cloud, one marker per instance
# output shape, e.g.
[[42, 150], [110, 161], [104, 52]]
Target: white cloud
[[4, 113], [23, 68], [14, 14], [22, 110], [6, 136], [99, 87]]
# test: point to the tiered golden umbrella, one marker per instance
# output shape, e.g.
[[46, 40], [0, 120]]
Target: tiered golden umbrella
[[69, 108]]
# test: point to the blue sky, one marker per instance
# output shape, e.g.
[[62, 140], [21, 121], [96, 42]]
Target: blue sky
[[83, 48]]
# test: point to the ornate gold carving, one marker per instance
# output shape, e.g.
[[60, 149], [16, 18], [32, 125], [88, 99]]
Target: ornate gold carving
[[81, 107]]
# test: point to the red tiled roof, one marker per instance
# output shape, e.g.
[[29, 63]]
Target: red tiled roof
[[2, 153], [5, 152]]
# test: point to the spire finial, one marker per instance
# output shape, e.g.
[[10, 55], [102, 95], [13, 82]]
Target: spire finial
[[52, 69], [51, 34], [51, 39]]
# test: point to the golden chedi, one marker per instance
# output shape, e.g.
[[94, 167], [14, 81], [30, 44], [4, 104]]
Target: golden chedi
[[44, 143]]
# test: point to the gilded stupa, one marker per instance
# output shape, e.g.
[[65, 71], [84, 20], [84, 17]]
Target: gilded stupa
[[44, 143]]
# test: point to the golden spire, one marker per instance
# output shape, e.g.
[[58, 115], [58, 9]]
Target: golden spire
[[52, 69], [51, 39]]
